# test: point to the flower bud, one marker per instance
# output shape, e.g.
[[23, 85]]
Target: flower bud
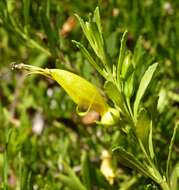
[[110, 117]]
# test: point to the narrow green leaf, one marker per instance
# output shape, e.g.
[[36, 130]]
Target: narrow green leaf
[[93, 33], [71, 180], [90, 34], [84, 27], [143, 86], [130, 161], [26, 9], [99, 45], [127, 64], [151, 148], [142, 127], [97, 19], [89, 57], [95, 41], [129, 86], [86, 171], [170, 149], [47, 8], [121, 54], [66, 180]]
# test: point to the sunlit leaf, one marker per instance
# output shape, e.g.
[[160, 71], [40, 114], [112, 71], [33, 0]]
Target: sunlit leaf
[[151, 148], [143, 86], [121, 54]]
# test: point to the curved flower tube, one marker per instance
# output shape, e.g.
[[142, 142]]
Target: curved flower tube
[[82, 92]]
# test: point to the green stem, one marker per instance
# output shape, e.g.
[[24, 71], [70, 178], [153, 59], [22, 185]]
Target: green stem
[[164, 186], [170, 149], [129, 108]]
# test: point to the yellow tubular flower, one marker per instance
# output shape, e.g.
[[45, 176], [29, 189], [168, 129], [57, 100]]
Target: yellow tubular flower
[[106, 167], [82, 92]]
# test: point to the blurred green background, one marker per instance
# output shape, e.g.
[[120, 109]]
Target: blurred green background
[[38, 120]]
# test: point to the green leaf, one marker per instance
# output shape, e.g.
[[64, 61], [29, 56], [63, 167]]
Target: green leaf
[[97, 43], [129, 86], [93, 33], [26, 8], [142, 127], [97, 19], [151, 148], [143, 86], [127, 65], [170, 149], [89, 57], [130, 161], [71, 180], [66, 180], [84, 27], [121, 54], [114, 94], [86, 171]]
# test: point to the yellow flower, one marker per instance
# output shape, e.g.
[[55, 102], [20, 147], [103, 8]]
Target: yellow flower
[[82, 92], [106, 167]]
